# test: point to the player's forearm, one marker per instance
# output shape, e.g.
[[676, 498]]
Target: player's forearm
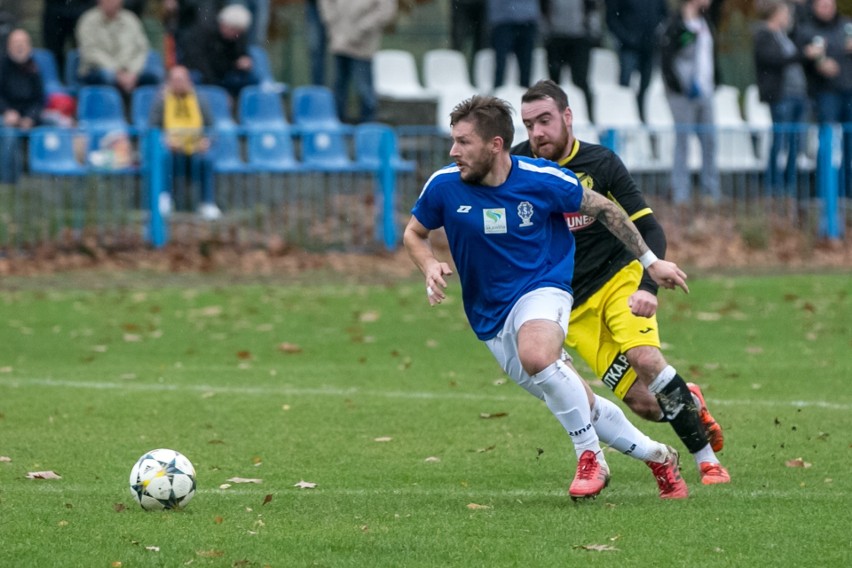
[[615, 220], [419, 250]]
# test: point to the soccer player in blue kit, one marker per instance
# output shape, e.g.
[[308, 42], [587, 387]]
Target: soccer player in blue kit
[[504, 220]]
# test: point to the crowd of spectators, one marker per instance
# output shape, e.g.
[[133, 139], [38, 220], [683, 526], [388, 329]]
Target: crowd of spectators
[[801, 53]]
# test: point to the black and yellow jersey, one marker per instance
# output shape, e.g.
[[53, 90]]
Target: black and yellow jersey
[[600, 254]]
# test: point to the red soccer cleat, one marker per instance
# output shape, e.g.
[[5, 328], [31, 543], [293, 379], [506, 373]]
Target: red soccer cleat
[[711, 427], [667, 474], [713, 473], [590, 479]]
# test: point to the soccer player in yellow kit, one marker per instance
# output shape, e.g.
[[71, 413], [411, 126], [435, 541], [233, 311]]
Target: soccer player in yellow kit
[[613, 324]]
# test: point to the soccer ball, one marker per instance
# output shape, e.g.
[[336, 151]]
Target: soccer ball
[[162, 479]]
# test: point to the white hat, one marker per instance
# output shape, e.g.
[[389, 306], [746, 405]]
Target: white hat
[[235, 16]]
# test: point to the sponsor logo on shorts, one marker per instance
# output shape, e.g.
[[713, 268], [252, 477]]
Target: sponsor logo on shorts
[[616, 371], [646, 330]]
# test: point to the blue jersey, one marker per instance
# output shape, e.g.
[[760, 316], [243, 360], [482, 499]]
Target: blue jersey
[[506, 240]]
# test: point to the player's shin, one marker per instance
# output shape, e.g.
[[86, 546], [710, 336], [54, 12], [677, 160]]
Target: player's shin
[[615, 430], [679, 409], [566, 398]]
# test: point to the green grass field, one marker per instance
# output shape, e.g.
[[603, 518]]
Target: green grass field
[[382, 408]]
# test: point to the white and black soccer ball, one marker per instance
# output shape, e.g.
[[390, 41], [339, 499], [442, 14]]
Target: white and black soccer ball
[[162, 479]]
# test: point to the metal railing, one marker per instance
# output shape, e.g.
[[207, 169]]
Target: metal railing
[[365, 208]]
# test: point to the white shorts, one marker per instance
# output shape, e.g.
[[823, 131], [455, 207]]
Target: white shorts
[[550, 304]]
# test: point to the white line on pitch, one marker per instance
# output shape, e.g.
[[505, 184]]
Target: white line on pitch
[[354, 391]]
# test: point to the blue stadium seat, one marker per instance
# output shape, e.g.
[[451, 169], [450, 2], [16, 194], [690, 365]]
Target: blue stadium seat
[[260, 108], [141, 102], [271, 150], [314, 107], [72, 62], [51, 152], [326, 150], [48, 70], [100, 108], [368, 147], [220, 105], [225, 153]]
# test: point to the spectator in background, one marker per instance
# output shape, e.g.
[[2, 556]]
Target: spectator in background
[[571, 28], [513, 26], [826, 39], [355, 29], [216, 53], [21, 100], [467, 25], [114, 48], [181, 16], [316, 41], [782, 85], [183, 115], [689, 74], [58, 22], [636, 25]]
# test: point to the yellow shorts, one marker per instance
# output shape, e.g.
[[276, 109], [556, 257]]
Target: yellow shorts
[[602, 329]]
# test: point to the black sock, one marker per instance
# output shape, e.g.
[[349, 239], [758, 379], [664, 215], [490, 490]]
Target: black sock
[[680, 411]]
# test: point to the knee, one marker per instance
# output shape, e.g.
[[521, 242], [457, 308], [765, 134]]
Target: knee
[[647, 361]]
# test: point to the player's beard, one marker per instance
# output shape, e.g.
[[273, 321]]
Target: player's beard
[[478, 168], [553, 150]]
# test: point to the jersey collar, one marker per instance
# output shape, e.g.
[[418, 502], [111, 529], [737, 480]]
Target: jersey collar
[[574, 149]]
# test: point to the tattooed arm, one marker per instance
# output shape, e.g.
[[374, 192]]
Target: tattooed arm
[[666, 274]]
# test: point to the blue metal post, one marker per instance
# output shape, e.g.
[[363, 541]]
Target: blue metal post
[[387, 181], [827, 174], [158, 234]]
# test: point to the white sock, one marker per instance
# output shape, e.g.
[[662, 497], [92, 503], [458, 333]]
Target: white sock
[[615, 430], [566, 398], [705, 454]]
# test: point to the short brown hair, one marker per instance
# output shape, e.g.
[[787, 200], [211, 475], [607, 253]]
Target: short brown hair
[[490, 117], [546, 89]]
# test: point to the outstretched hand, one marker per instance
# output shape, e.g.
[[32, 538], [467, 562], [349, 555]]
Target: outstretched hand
[[435, 283], [668, 275]]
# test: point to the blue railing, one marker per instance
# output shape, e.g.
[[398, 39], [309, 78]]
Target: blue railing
[[61, 198]]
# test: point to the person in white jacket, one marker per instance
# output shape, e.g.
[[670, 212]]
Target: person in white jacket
[[354, 29]]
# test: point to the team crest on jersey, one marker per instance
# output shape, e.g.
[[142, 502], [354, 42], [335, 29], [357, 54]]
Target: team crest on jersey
[[525, 212], [585, 180], [494, 220]]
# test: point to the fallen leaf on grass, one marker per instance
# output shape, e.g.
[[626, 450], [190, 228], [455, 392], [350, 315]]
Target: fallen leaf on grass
[[486, 415], [43, 475], [116, 564], [5, 459], [245, 480], [244, 355], [267, 499], [476, 506], [485, 449], [218, 519], [383, 439], [305, 485], [798, 462], [153, 548], [119, 507], [225, 486], [597, 547], [369, 317], [432, 459], [289, 348]]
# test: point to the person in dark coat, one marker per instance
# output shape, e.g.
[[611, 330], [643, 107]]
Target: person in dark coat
[[21, 100]]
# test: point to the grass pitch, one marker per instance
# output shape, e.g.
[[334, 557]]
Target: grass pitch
[[421, 452]]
